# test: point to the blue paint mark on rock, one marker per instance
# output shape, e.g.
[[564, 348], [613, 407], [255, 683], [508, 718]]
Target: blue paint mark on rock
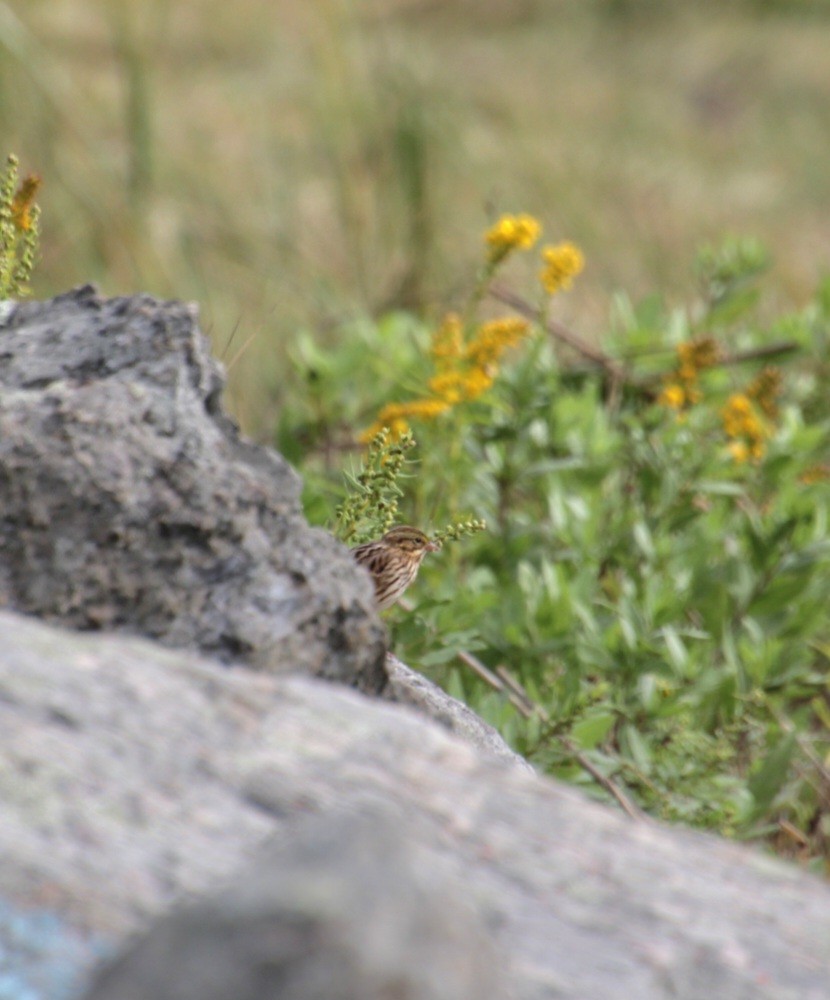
[[42, 957]]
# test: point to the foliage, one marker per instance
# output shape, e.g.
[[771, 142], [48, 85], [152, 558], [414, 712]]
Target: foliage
[[656, 576], [19, 229], [370, 507], [371, 501]]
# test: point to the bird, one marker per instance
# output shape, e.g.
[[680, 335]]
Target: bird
[[393, 561]]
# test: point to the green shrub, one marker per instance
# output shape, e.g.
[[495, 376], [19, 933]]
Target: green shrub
[[656, 574]]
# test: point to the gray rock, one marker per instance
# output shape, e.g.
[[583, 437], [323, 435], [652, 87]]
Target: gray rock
[[407, 687], [131, 503], [343, 907], [134, 778]]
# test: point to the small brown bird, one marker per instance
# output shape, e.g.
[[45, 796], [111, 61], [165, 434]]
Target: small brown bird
[[393, 561]]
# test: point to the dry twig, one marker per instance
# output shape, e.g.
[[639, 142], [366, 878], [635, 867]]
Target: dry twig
[[615, 371], [506, 683]]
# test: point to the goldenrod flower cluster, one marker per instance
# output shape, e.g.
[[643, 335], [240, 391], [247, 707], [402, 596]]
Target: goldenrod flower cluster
[[23, 203], [19, 217], [765, 389], [682, 389], [511, 232], [695, 356], [396, 416], [492, 339], [746, 416], [677, 397], [466, 355], [464, 369], [745, 427], [562, 263]]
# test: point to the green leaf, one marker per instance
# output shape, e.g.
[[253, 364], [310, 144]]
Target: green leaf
[[634, 746], [593, 729], [769, 779], [723, 488], [737, 305], [676, 651], [455, 686], [647, 690], [437, 657], [643, 539]]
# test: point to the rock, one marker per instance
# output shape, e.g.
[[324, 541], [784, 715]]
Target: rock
[[135, 778], [131, 503], [342, 907], [408, 687]]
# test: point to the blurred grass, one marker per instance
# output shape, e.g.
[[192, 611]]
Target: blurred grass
[[289, 165]]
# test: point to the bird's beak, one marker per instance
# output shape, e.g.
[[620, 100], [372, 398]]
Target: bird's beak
[[433, 546]]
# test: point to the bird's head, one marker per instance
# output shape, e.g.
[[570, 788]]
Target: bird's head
[[411, 540]]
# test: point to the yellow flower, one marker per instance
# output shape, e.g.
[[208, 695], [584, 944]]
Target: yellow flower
[[752, 427], [448, 340], [511, 232], [475, 382], [739, 451], [673, 396], [397, 428], [695, 355], [395, 416], [742, 423], [736, 412], [424, 409], [464, 369], [493, 338], [682, 391], [563, 263], [448, 387], [24, 202], [765, 389], [739, 404], [679, 396]]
